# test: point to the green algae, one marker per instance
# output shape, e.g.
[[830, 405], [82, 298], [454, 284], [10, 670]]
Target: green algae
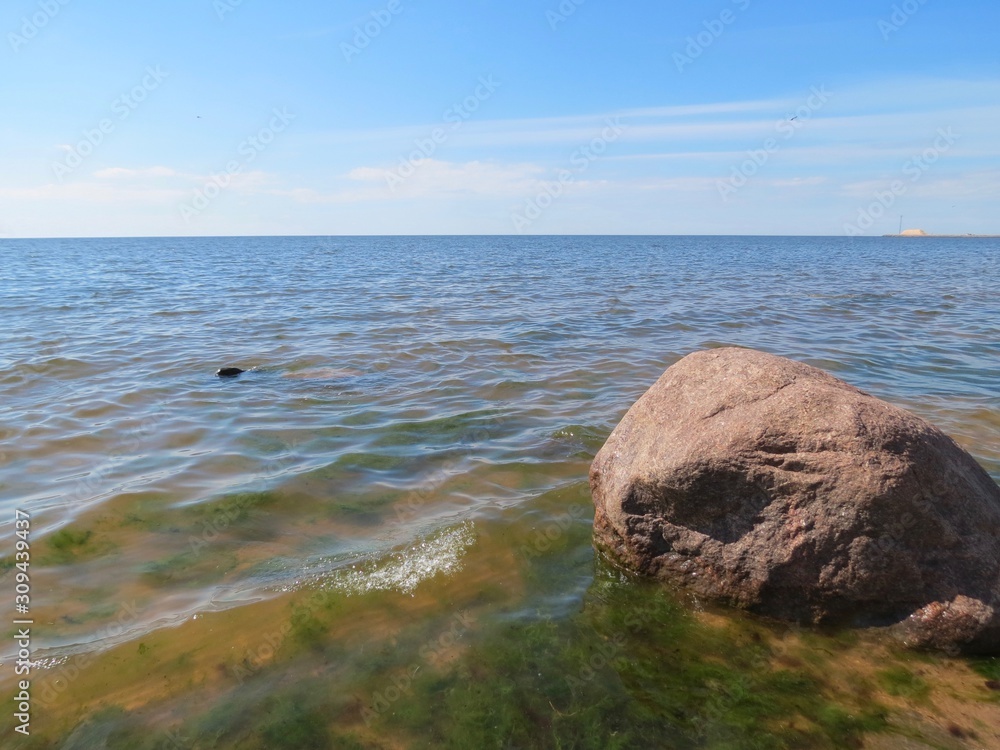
[[373, 461], [363, 509], [238, 507], [633, 666], [190, 568], [987, 667], [467, 428], [287, 724], [633, 669], [69, 545], [68, 539], [310, 621], [136, 521], [902, 682], [556, 649]]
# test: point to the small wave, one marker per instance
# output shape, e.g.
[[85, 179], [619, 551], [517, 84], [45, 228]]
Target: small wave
[[403, 571], [48, 662]]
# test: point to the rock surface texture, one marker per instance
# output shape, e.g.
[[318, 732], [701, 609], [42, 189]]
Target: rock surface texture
[[773, 486]]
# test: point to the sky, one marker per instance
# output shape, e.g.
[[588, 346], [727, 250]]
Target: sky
[[253, 117]]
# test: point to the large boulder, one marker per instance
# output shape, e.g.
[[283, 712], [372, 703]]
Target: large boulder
[[773, 486]]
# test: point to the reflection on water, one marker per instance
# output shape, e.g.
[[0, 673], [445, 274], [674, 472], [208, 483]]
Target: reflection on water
[[405, 460]]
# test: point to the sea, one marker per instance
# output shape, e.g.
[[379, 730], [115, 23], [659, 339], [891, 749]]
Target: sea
[[379, 534]]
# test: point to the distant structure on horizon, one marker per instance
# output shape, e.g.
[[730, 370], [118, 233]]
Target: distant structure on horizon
[[922, 233]]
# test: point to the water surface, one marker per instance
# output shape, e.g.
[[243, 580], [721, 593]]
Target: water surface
[[406, 459]]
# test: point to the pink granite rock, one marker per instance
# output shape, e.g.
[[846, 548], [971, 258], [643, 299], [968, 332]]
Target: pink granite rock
[[773, 486]]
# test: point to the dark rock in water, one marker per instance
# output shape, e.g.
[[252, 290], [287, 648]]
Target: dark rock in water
[[773, 486], [229, 372]]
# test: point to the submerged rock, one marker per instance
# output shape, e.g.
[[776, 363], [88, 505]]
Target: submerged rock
[[773, 486], [229, 372]]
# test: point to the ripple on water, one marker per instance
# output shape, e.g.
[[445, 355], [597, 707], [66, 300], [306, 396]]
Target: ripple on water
[[401, 383]]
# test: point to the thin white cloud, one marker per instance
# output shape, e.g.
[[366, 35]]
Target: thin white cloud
[[853, 145], [848, 118], [116, 173], [983, 185], [797, 182], [692, 110], [937, 184], [151, 185], [827, 123], [90, 192], [683, 185], [566, 128], [430, 178]]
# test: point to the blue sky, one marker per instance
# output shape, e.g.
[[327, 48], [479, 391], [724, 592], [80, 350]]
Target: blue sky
[[221, 117]]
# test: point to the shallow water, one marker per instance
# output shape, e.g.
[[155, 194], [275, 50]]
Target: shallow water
[[409, 448]]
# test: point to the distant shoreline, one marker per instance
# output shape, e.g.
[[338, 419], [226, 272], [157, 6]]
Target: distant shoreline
[[944, 236]]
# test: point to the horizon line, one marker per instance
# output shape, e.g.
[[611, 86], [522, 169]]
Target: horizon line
[[522, 236]]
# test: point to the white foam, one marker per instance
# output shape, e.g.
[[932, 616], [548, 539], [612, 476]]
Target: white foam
[[403, 571]]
